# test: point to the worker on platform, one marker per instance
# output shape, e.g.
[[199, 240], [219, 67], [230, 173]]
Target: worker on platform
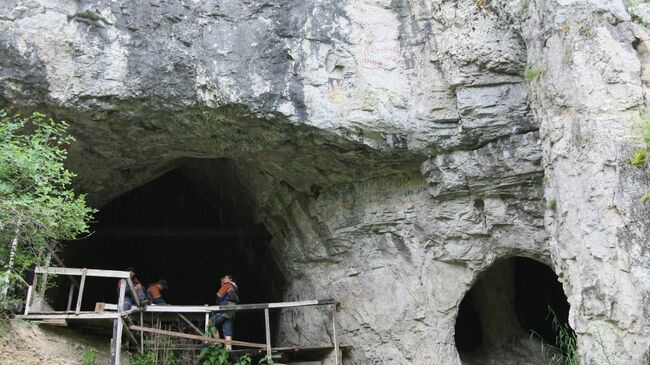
[[128, 294], [224, 321], [155, 291]]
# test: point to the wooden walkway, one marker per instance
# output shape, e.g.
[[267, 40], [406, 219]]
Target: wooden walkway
[[132, 321]]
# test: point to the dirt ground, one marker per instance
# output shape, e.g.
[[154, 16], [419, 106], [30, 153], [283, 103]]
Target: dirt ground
[[29, 343]]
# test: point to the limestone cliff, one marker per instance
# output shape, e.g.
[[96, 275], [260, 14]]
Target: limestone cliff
[[394, 149]]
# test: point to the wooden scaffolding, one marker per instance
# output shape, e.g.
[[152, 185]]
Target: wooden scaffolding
[[124, 321]]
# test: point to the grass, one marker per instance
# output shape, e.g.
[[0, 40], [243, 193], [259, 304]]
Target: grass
[[89, 357], [565, 351]]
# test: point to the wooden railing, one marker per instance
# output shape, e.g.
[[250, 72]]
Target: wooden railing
[[118, 315]]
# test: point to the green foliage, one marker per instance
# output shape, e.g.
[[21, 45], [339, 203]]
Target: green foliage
[[89, 357], [36, 202], [552, 204], [218, 355], [244, 360], [646, 197], [214, 355], [639, 158], [147, 358], [533, 73], [565, 352], [266, 360], [639, 11]]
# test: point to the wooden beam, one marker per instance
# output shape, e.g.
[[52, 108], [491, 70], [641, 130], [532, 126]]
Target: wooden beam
[[238, 307], [267, 327], [335, 340], [93, 315], [78, 272], [81, 291], [28, 300], [70, 295], [135, 293], [195, 328], [120, 298], [198, 338]]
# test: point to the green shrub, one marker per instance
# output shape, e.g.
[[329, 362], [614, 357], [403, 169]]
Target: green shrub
[[36, 201]]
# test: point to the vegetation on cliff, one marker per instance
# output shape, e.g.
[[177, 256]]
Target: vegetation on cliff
[[37, 205]]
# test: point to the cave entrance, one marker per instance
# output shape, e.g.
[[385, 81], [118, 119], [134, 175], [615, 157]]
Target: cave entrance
[[508, 303], [190, 226]]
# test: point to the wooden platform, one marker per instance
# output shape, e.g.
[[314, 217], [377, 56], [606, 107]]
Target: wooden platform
[[111, 317]]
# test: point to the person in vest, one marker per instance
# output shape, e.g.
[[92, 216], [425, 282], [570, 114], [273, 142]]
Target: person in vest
[[128, 294], [155, 291], [224, 321]]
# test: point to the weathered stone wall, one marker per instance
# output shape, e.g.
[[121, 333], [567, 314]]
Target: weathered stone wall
[[390, 147]]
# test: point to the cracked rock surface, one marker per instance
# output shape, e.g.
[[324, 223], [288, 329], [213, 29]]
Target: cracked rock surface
[[395, 149]]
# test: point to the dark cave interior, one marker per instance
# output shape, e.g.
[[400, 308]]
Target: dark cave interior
[[188, 229], [510, 299]]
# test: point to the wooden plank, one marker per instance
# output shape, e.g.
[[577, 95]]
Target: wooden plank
[[135, 293], [78, 272], [59, 261], [70, 295], [28, 300], [81, 291], [238, 307], [336, 342], [267, 327], [120, 298], [71, 316], [195, 328], [198, 338], [141, 333], [118, 341]]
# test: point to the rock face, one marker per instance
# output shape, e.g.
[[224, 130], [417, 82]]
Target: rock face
[[394, 149]]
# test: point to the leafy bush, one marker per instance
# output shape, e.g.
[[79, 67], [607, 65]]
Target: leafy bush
[[36, 202]]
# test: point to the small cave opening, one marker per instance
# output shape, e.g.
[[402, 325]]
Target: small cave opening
[[190, 226], [508, 312]]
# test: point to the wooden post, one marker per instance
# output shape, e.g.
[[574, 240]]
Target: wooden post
[[120, 299], [70, 295], [116, 341], [81, 290], [267, 323], [141, 333], [28, 300], [135, 293], [336, 342]]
